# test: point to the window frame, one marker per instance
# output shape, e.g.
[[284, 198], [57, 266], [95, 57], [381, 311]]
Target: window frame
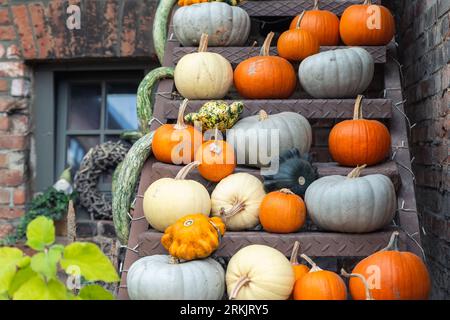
[[44, 113]]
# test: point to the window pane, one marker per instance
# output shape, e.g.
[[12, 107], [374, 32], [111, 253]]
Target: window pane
[[77, 147], [84, 107], [121, 106]]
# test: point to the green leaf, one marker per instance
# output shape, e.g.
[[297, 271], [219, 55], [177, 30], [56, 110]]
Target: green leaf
[[37, 289], [95, 292], [4, 296], [92, 262], [71, 296], [58, 247], [46, 262], [9, 258], [24, 262], [21, 276], [40, 233]]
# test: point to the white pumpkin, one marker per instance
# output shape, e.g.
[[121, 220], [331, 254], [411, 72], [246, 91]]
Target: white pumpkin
[[162, 277], [260, 139], [351, 204], [341, 73], [166, 200], [259, 272], [226, 25], [236, 199], [203, 75]]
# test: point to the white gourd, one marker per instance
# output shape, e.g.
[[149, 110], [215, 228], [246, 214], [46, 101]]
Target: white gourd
[[226, 25], [162, 277], [249, 136], [259, 272], [166, 200], [203, 75], [236, 199], [351, 204], [341, 73]]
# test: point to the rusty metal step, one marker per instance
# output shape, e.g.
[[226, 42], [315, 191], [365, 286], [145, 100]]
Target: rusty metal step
[[319, 244], [290, 8], [237, 54], [163, 170], [309, 108]]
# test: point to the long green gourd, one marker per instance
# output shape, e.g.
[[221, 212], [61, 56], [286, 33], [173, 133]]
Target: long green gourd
[[160, 27], [144, 104], [126, 175], [125, 180]]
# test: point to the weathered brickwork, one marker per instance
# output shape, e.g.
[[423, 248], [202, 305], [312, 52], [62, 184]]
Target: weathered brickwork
[[424, 44], [33, 31]]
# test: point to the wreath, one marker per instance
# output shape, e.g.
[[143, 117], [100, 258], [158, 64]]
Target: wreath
[[100, 160]]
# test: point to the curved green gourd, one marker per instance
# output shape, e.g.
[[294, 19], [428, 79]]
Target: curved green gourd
[[124, 183], [144, 103], [126, 175], [160, 27]]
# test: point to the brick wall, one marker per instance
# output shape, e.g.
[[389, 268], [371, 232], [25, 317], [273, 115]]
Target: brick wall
[[33, 31], [424, 38]]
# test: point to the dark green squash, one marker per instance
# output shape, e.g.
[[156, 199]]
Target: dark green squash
[[295, 172]]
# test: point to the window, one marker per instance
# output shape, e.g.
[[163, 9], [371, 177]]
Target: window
[[78, 107], [91, 111]]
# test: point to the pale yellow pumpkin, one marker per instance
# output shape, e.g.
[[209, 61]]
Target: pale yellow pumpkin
[[203, 75], [236, 199], [166, 200], [259, 272]]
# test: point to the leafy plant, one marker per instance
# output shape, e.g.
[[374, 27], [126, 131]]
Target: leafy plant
[[52, 204], [35, 277]]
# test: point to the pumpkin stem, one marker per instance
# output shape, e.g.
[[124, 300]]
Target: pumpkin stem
[[214, 147], [265, 50], [355, 173], [314, 266], [362, 278], [294, 254], [181, 175], [241, 282], [357, 111], [173, 260], [252, 48], [226, 214], [180, 125], [286, 191], [203, 46], [263, 115], [367, 2], [316, 5], [393, 242], [300, 18]]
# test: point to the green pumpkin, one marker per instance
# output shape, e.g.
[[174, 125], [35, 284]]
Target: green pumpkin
[[216, 114], [295, 172]]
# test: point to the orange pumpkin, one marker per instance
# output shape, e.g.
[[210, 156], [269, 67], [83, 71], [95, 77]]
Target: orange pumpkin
[[367, 25], [363, 280], [265, 76], [322, 23], [319, 284], [217, 159], [392, 275], [282, 212], [176, 143], [299, 269], [297, 44], [357, 142]]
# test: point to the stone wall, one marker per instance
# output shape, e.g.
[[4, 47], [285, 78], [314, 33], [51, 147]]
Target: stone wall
[[424, 45]]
